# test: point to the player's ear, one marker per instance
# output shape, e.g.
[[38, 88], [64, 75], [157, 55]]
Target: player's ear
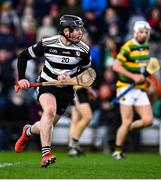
[[66, 31]]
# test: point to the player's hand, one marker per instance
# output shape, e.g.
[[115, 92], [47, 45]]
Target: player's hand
[[138, 78], [63, 77], [23, 83]]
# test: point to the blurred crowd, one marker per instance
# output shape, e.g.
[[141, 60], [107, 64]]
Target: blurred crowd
[[108, 25]]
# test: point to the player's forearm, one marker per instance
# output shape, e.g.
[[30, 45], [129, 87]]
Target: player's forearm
[[117, 67], [22, 63]]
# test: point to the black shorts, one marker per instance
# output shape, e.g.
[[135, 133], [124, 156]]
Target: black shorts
[[81, 96], [63, 95]]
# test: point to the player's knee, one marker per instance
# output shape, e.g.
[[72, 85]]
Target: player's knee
[[49, 111], [148, 121], [127, 124]]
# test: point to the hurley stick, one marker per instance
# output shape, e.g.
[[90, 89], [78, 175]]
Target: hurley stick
[[85, 79]]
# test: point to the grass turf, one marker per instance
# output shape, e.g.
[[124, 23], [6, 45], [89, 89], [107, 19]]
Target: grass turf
[[93, 166]]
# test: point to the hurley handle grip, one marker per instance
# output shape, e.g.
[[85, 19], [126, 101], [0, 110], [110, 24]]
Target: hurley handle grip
[[33, 84]]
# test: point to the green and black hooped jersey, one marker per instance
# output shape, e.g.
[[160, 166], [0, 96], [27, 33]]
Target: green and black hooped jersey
[[134, 57]]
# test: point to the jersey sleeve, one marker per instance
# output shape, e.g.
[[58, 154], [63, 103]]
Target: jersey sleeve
[[32, 52], [36, 50], [85, 63], [124, 53]]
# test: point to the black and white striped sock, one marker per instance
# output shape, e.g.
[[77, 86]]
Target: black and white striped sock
[[28, 131], [45, 150]]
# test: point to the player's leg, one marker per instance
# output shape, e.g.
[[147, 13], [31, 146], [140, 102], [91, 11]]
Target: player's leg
[[146, 117], [144, 110], [49, 107], [86, 115], [57, 107], [126, 110], [84, 110], [75, 118], [74, 141], [81, 116], [127, 118], [35, 128], [48, 103]]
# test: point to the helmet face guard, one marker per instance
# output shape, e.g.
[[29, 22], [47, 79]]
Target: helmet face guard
[[72, 22]]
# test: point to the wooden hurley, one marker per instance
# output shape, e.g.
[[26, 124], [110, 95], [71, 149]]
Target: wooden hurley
[[85, 79]]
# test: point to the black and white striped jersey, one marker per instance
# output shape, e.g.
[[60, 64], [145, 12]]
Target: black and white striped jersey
[[60, 58]]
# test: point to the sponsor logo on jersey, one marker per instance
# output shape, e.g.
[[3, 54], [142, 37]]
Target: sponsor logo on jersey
[[53, 50], [77, 53], [66, 52]]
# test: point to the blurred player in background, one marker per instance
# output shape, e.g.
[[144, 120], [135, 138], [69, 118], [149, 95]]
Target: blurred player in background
[[132, 58], [81, 116]]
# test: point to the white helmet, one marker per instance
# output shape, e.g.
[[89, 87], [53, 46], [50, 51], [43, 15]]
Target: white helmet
[[141, 24]]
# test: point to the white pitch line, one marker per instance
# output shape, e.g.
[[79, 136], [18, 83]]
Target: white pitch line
[[2, 165]]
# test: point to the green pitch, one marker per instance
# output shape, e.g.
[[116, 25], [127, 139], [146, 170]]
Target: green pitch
[[92, 166]]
